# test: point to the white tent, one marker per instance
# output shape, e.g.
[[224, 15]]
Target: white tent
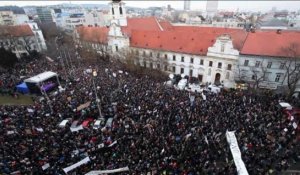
[[41, 77]]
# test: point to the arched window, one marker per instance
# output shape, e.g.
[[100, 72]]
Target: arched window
[[113, 11], [121, 10]]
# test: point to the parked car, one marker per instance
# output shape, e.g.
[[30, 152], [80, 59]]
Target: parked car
[[182, 84], [194, 88], [98, 123], [63, 123], [215, 89], [109, 122], [74, 124], [86, 122]]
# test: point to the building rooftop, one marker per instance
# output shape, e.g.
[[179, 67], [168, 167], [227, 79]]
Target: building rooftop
[[15, 31]]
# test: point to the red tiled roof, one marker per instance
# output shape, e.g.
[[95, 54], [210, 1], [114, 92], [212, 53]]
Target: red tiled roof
[[190, 40], [145, 24], [15, 31], [166, 25], [93, 34], [270, 43]]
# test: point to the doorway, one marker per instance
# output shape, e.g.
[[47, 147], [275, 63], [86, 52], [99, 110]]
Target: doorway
[[217, 78], [200, 77]]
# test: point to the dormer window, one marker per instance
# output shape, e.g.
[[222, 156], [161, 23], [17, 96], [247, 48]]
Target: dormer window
[[222, 47]]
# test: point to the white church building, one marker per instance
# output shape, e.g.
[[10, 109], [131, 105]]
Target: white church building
[[213, 55]]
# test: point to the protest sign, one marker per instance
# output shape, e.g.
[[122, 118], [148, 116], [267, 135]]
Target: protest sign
[[236, 153], [108, 171], [70, 168], [82, 106], [46, 166]]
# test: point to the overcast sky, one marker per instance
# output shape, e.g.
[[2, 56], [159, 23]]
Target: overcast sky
[[195, 5]]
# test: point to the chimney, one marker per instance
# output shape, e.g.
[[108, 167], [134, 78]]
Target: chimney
[[279, 31]]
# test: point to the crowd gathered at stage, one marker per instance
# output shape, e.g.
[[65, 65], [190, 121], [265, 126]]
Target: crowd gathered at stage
[[155, 129]]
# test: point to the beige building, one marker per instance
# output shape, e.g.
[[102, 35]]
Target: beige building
[[7, 18]]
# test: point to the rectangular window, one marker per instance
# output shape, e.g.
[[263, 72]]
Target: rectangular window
[[182, 70], [246, 62], [158, 66], [192, 60], [219, 65], [277, 77], [151, 65], [150, 54], [210, 63], [182, 59], [266, 76], [144, 53], [174, 69], [174, 57], [282, 65], [117, 48], [201, 62], [229, 67], [145, 64], [137, 52], [222, 47], [158, 55], [297, 67], [269, 65], [253, 77], [257, 63], [191, 72], [166, 68], [166, 56]]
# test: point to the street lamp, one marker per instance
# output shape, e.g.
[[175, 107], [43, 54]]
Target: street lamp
[[97, 99]]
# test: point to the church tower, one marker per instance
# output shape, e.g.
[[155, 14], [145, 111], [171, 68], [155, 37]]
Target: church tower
[[117, 41], [118, 13]]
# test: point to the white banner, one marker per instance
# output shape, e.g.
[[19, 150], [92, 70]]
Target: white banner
[[236, 153], [46, 166], [108, 171], [112, 144], [78, 128], [70, 168]]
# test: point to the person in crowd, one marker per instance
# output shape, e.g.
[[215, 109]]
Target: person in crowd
[[156, 127]]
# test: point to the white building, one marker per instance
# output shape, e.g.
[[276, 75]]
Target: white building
[[39, 37], [20, 39], [7, 18], [265, 65], [213, 55]]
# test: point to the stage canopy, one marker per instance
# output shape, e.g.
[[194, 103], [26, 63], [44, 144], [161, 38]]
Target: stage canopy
[[40, 77], [22, 88]]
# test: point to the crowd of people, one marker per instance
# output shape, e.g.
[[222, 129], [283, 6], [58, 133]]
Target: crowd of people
[[156, 128]]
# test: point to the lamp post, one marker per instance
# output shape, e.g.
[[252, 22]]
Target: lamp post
[[97, 99]]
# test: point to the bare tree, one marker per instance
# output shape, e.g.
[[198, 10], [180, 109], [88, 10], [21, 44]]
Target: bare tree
[[240, 76], [292, 66], [258, 74]]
